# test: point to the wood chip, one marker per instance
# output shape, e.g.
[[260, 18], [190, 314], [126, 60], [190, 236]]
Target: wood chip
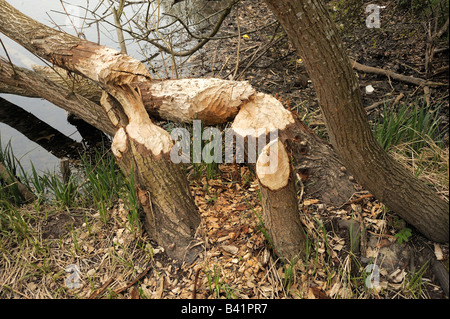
[[438, 252], [233, 250]]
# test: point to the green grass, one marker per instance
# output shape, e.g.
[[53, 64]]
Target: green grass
[[413, 135], [414, 284], [217, 285], [413, 124], [9, 191], [103, 181], [97, 183], [12, 222]]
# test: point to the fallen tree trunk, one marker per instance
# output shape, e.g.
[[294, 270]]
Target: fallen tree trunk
[[17, 79], [38, 131], [142, 148], [210, 100]]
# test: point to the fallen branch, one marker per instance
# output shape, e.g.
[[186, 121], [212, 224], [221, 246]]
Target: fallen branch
[[101, 289], [399, 77], [11, 180], [376, 104], [120, 290], [359, 199]]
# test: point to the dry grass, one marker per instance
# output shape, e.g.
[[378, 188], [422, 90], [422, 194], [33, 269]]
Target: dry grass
[[38, 242], [431, 164], [236, 262]]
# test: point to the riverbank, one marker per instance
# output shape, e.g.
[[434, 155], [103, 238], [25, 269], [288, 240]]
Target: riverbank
[[359, 250]]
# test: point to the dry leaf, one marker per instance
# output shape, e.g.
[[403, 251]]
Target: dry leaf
[[318, 293], [335, 289], [398, 275], [310, 294], [309, 202]]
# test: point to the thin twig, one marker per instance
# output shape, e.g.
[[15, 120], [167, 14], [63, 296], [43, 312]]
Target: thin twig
[[120, 37], [238, 49], [376, 104], [203, 42], [120, 290], [7, 55], [194, 291], [101, 289], [359, 199]]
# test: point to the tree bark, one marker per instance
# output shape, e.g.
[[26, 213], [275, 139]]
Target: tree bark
[[314, 35], [128, 95], [294, 155], [38, 131], [137, 141]]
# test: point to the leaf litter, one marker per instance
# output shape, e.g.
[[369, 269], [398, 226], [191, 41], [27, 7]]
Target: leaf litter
[[117, 261]]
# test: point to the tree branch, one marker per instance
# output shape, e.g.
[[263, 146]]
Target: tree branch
[[393, 75]]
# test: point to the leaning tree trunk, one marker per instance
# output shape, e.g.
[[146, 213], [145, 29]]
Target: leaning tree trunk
[[314, 35]]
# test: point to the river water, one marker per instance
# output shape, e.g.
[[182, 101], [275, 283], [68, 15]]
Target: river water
[[52, 13], [48, 12]]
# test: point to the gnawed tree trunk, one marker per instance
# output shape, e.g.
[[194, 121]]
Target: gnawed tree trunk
[[274, 171], [294, 156], [314, 35], [216, 101], [143, 149], [128, 95], [144, 144]]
